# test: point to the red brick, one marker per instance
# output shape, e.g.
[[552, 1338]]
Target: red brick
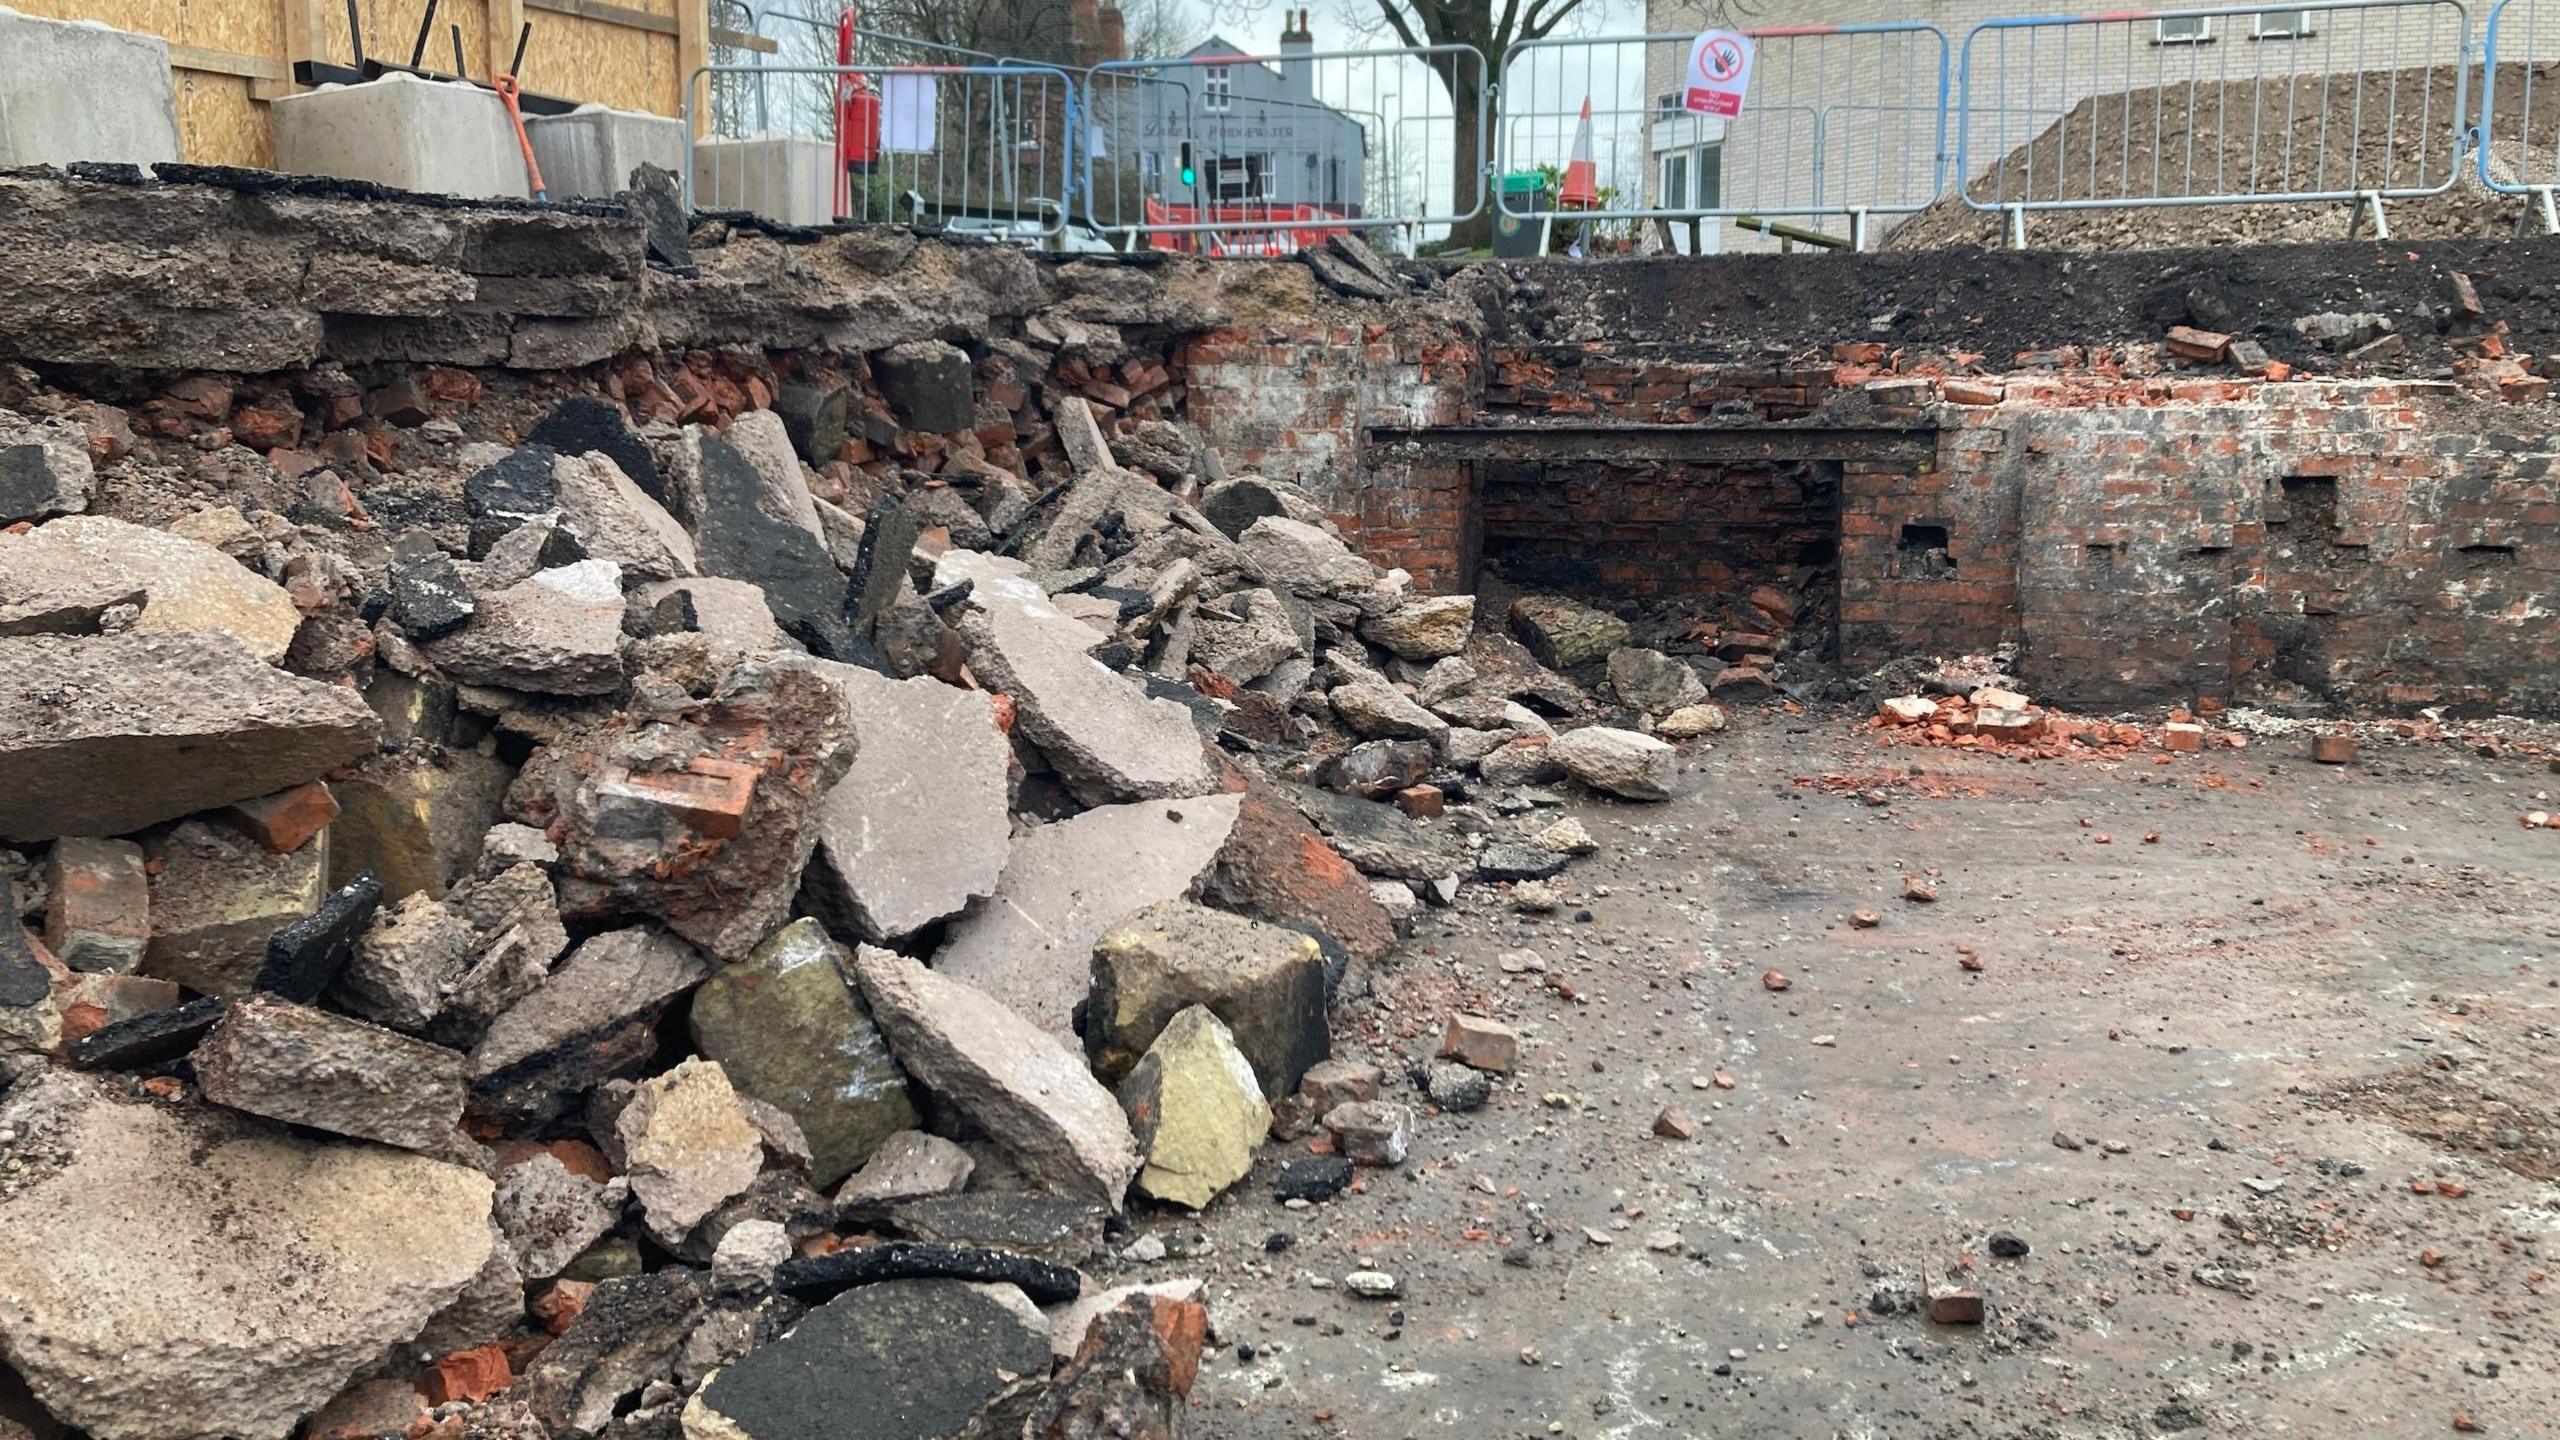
[[285, 820], [474, 1374]]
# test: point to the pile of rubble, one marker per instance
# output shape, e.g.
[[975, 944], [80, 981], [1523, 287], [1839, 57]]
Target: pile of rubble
[[2001, 720], [618, 945]]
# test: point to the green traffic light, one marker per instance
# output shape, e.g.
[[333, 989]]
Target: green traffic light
[[1190, 176]]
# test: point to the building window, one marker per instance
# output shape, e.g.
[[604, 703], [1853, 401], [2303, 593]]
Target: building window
[[1217, 89], [2280, 24], [1675, 182], [1150, 168], [2186, 30], [1709, 175], [1668, 105]]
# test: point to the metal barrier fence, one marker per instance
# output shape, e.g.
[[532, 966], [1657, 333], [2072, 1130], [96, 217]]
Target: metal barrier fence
[[2519, 134], [1841, 121], [1265, 154], [983, 147], [2334, 100]]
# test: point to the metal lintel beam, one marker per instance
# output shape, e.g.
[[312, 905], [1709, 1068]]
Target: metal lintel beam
[[1700, 444]]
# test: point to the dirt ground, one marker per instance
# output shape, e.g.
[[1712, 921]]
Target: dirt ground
[[2269, 1100], [2381, 129]]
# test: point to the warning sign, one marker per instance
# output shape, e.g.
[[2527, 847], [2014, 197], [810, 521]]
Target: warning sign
[[1719, 71]]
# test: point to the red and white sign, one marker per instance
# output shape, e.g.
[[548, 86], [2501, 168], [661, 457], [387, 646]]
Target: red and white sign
[[1719, 71]]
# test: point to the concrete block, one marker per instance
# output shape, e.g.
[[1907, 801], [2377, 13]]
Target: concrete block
[[592, 150], [789, 178], [437, 136], [79, 90]]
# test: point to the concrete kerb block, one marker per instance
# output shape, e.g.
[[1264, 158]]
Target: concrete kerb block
[[590, 152], [435, 136], [76, 90], [790, 178]]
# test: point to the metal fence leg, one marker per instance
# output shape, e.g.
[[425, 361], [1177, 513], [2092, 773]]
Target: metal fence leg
[[2540, 202], [1858, 229], [2371, 204], [2017, 227]]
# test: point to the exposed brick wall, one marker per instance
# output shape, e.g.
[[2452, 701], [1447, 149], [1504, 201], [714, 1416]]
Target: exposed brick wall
[[1660, 529], [1296, 403]]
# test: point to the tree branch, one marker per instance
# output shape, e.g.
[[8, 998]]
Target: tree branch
[[1395, 18], [1542, 22]]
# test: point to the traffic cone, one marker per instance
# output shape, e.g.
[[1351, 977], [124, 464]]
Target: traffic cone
[[1581, 189]]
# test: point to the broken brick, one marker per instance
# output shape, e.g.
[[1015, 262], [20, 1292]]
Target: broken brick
[[1482, 1044], [2188, 343], [284, 820]]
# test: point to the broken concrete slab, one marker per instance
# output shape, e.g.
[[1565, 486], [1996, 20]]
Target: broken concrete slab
[[405, 963], [301, 1066], [98, 911], [1379, 768], [687, 1147], [217, 897], [910, 1165], [131, 752], [1430, 629], [558, 633], [188, 586], [731, 782], [179, 1321], [1030, 943], [609, 982], [550, 1214], [54, 589], [1068, 1323], [729, 614], [1304, 559], [917, 828], [1108, 739], [1264, 982], [843, 1373], [611, 518], [1196, 1109], [1653, 683], [765, 441], [814, 417], [1379, 711], [926, 383], [1619, 762], [510, 493], [790, 1030], [1017, 1082], [1563, 633]]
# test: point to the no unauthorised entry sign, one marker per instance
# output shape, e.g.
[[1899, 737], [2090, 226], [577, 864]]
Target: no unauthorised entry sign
[[1719, 71]]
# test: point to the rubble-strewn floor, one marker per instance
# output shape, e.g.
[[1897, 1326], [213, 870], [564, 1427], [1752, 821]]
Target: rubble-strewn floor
[[2243, 1092]]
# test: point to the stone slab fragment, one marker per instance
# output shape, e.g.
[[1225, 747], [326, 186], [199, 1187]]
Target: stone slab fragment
[[1030, 943], [164, 725], [180, 1321]]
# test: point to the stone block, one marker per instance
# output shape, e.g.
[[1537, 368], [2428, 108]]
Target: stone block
[[308, 1067], [434, 136], [415, 823], [591, 151], [789, 178], [790, 1030], [77, 90], [1266, 983], [100, 910], [216, 900]]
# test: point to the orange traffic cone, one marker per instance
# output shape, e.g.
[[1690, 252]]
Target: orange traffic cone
[[1581, 173]]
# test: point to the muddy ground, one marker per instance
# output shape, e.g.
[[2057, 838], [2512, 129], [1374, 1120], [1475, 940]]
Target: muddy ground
[[2269, 1100]]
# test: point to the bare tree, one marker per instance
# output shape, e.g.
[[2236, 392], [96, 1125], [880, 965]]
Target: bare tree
[[1160, 29]]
